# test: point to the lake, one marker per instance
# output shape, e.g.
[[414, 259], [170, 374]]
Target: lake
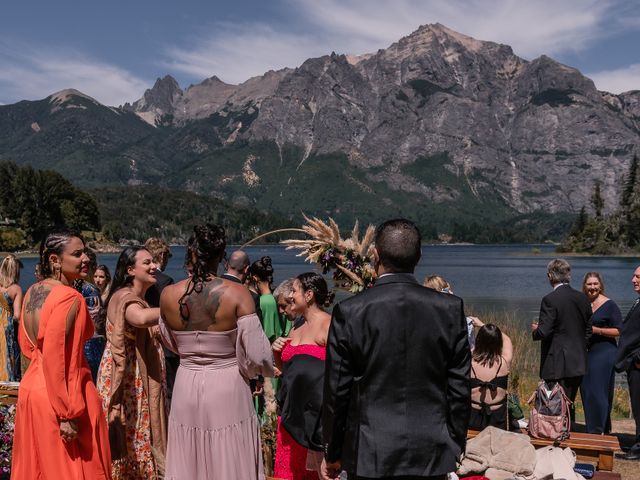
[[496, 278]]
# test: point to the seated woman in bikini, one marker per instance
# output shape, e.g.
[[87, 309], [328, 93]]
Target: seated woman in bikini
[[490, 365]]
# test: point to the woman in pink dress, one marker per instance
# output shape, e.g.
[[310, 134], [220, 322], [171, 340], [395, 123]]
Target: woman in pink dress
[[301, 357], [211, 324]]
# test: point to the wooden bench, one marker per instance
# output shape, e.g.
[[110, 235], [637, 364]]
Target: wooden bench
[[598, 449], [8, 393]]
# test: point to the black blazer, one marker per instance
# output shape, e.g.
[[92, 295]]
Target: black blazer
[[629, 344], [564, 328], [396, 392], [153, 292]]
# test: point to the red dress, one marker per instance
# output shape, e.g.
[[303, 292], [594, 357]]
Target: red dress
[[58, 385], [291, 457]]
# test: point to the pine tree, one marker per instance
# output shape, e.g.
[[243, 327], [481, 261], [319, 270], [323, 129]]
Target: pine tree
[[597, 201], [629, 184]]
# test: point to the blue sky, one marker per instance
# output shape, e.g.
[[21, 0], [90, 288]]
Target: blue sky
[[114, 50]]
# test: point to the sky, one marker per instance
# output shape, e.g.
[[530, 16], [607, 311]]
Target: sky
[[114, 50]]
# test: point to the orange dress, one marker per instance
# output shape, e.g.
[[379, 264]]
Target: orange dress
[[58, 385]]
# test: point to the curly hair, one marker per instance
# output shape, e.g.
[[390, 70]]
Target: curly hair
[[318, 285], [262, 270], [54, 243], [205, 246]]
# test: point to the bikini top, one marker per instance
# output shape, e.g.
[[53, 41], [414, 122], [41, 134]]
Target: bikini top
[[493, 384]]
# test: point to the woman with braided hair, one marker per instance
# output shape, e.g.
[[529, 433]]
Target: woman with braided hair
[[211, 323], [60, 429]]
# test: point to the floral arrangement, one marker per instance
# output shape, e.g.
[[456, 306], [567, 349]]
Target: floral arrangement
[[7, 423], [349, 259]]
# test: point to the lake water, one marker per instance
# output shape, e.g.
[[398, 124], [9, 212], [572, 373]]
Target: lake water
[[496, 278]]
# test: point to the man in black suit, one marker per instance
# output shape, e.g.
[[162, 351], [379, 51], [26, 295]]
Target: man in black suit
[[396, 393], [564, 329], [161, 253], [628, 360]]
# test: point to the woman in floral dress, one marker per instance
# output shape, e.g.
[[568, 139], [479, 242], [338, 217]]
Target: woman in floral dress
[[131, 375]]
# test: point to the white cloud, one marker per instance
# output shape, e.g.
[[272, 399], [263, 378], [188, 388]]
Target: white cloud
[[531, 28], [619, 80], [33, 73], [235, 52]]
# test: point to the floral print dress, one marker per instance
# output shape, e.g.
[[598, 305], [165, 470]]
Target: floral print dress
[[133, 402]]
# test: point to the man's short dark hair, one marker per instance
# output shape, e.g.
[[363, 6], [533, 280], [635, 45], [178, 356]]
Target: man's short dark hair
[[399, 245]]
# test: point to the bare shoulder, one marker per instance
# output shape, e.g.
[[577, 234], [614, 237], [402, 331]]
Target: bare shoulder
[[36, 296]]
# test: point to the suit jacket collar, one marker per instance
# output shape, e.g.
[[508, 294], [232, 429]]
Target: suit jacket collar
[[233, 278], [396, 278]]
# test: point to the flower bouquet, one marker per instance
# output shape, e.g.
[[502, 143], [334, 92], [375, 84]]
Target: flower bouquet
[[349, 259], [7, 423]]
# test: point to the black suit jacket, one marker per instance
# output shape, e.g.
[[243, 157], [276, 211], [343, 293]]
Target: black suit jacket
[[153, 292], [396, 392], [629, 344], [564, 328]]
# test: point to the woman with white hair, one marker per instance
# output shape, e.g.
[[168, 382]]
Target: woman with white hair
[[10, 307]]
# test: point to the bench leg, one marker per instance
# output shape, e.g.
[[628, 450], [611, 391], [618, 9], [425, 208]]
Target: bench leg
[[605, 461]]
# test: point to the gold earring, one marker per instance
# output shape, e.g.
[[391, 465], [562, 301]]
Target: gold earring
[[58, 272]]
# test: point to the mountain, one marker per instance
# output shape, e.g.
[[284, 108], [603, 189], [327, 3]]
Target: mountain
[[439, 127]]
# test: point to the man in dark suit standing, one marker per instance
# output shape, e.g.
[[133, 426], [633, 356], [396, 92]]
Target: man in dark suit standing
[[161, 253], [396, 393], [564, 329], [628, 360]]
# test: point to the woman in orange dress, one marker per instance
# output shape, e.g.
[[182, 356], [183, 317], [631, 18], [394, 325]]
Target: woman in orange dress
[[60, 429]]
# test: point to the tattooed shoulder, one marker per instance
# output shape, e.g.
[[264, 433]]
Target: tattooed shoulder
[[37, 296], [215, 291]]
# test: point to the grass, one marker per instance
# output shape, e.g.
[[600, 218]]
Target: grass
[[525, 367]]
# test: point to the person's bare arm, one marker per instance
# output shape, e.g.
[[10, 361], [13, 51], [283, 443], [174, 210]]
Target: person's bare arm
[[141, 317], [17, 304], [507, 349]]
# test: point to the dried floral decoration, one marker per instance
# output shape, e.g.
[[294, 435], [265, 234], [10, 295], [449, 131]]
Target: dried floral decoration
[[349, 259]]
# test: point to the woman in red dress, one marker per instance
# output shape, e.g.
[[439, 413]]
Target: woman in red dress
[[60, 430], [300, 357]]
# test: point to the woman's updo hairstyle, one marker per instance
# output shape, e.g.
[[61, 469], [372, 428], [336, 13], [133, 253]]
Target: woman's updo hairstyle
[[262, 270], [205, 246], [318, 285], [54, 243], [207, 243]]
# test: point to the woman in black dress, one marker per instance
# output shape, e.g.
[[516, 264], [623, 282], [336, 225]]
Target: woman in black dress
[[597, 386]]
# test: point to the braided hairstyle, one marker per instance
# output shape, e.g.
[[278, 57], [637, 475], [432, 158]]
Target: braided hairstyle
[[205, 248], [262, 270], [318, 285], [54, 243]]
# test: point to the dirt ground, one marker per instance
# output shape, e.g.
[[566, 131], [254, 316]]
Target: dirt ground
[[625, 431]]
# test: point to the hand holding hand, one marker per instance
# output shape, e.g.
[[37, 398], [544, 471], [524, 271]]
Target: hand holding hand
[[68, 430]]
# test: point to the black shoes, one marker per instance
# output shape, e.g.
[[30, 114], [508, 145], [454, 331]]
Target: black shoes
[[631, 454]]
